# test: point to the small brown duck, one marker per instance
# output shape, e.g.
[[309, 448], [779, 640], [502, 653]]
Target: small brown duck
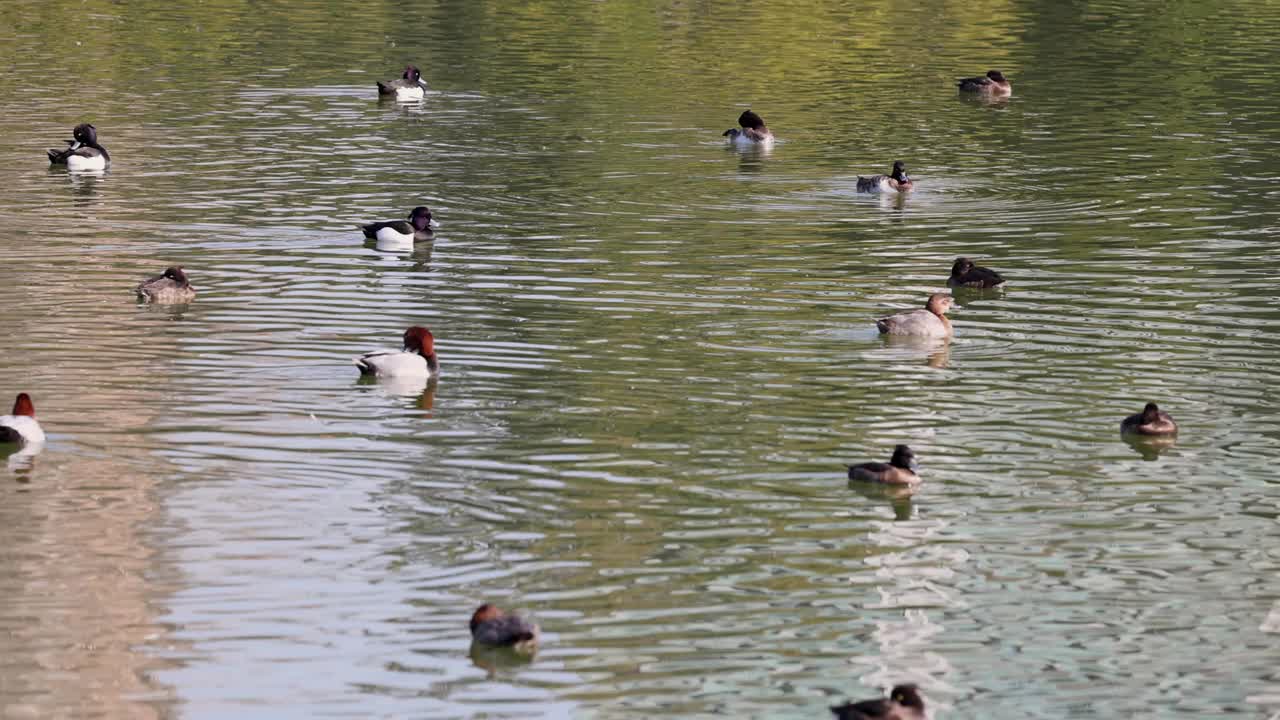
[[1151, 421], [495, 628], [993, 83], [900, 470], [965, 274], [171, 287], [929, 322], [896, 181], [904, 703], [753, 131]]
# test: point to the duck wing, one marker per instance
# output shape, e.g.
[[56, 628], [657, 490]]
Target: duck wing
[[401, 226]]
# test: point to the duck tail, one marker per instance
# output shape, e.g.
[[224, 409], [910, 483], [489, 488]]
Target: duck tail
[[369, 230], [385, 89]]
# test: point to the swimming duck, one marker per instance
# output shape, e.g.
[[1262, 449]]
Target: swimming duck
[[965, 274], [753, 130], [417, 360], [401, 232], [900, 470], [904, 703], [407, 87], [21, 427], [994, 83], [493, 627], [896, 181], [83, 152], [930, 322], [169, 287], [1151, 421]]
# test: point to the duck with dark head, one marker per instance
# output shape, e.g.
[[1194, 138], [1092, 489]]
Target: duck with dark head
[[753, 130], [993, 83], [903, 703], [896, 181], [1151, 421]]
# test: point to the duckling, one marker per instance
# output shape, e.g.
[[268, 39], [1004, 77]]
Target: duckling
[[21, 426], [994, 83], [406, 88], [83, 152], [930, 322], [401, 232], [904, 703], [965, 274], [753, 131], [900, 470], [493, 627], [169, 287], [1151, 421], [896, 181], [416, 361]]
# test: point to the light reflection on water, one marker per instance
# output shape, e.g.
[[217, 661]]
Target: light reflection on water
[[658, 354]]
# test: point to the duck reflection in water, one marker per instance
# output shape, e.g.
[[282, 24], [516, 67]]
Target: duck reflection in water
[[898, 497], [935, 352]]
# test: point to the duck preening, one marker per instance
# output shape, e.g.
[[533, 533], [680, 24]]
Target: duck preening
[[752, 132], [83, 153], [903, 703], [494, 627]]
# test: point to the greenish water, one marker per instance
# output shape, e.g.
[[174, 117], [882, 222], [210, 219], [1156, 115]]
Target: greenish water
[[658, 354]]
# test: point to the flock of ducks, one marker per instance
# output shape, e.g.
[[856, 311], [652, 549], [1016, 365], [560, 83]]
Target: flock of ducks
[[491, 626]]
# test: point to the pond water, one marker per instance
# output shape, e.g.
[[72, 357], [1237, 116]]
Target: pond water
[[658, 354]]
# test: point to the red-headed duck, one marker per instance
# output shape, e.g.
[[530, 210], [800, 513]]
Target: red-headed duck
[[1151, 421], [896, 181], [900, 470], [169, 287], [406, 88], [492, 627], [21, 426], [993, 83], [416, 360], [930, 322], [83, 153], [753, 131], [904, 703], [965, 274]]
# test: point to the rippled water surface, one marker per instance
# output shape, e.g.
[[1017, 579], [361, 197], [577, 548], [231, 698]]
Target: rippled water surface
[[658, 354]]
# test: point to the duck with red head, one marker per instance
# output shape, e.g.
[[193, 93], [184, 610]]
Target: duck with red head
[[1151, 421], [929, 322], [993, 83], [416, 361], [21, 427], [904, 703], [493, 627]]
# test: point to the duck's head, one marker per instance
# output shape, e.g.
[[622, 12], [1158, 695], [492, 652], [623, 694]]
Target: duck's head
[[939, 303], [420, 340], [1150, 413], [412, 74], [749, 119], [961, 266], [899, 172], [420, 217], [907, 695], [484, 613], [85, 134], [904, 458], [176, 274], [22, 405], [996, 75]]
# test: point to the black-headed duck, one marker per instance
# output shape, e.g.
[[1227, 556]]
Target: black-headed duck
[[753, 130], [406, 88], [929, 322], [900, 470], [896, 181], [1151, 421], [21, 426], [965, 274], [416, 361], [493, 627], [401, 233], [83, 152], [993, 83], [169, 287], [903, 703]]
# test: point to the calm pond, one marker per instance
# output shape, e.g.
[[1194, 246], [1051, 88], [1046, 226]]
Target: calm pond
[[658, 351]]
